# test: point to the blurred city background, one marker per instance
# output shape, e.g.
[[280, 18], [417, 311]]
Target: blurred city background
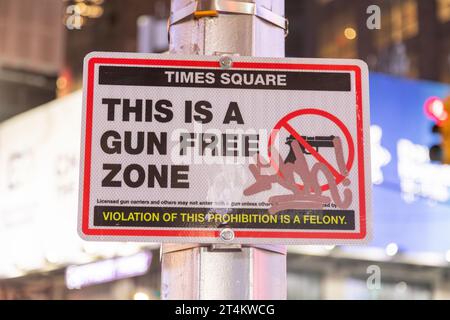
[[42, 45]]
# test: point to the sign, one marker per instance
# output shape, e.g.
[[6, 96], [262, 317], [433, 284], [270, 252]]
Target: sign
[[225, 149]]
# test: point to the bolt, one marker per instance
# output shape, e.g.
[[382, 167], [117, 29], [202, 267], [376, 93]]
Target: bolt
[[227, 234], [226, 62]]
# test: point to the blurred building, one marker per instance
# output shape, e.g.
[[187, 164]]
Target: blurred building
[[135, 276], [42, 46], [413, 41], [43, 43]]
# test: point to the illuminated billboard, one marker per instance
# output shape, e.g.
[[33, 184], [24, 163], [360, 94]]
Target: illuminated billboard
[[411, 194]]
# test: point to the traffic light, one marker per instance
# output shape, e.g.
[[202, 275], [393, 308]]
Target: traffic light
[[439, 111]]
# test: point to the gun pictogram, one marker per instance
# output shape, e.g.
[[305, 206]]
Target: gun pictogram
[[315, 142]]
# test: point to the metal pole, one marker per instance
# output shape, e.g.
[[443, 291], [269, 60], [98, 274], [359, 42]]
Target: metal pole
[[200, 271]]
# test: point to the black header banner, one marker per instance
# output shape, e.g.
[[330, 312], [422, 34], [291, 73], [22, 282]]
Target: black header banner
[[213, 78]]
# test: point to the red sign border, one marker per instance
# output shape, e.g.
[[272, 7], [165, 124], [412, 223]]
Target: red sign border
[[215, 233]]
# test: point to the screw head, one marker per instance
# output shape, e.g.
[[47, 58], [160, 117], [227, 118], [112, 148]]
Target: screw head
[[226, 62], [227, 234]]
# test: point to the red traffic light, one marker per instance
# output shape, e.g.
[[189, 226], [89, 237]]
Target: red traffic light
[[435, 110]]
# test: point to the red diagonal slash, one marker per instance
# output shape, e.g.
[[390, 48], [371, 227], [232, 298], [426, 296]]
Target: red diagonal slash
[[311, 150]]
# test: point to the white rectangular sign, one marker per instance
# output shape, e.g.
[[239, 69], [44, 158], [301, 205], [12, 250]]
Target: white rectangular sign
[[225, 149]]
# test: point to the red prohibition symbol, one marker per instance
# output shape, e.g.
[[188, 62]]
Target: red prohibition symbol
[[283, 123]]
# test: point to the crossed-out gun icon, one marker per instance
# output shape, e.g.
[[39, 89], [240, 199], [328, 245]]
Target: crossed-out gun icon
[[315, 142]]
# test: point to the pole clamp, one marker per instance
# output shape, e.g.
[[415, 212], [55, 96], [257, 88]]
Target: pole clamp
[[212, 8]]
